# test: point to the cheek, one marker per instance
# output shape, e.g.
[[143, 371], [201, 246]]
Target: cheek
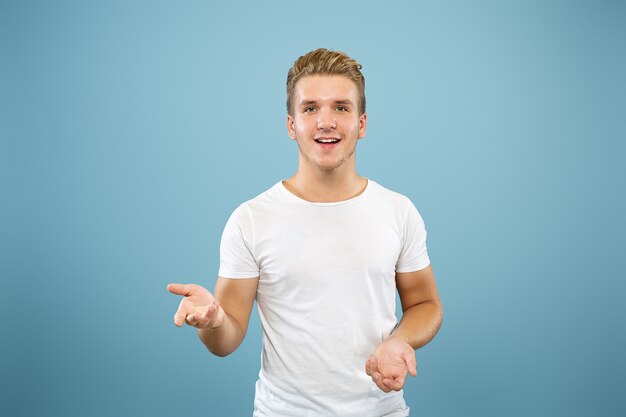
[[303, 127], [351, 123], [298, 130]]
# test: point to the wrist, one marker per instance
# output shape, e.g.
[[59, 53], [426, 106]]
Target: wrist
[[398, 335]]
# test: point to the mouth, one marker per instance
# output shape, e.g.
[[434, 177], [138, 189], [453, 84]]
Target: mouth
[[327, 141]]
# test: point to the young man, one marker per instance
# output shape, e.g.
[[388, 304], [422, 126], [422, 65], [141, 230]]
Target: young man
[[323, 253]]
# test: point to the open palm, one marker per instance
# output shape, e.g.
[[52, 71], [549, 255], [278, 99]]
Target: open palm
[[198, 308], [389, 364]]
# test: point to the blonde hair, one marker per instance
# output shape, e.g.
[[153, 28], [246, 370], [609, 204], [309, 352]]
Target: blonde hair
[[326, 62]]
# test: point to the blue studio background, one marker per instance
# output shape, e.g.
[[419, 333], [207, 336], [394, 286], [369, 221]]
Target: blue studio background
[[131, 129]]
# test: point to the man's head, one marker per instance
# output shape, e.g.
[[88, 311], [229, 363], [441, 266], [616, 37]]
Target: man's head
[[325, 62]]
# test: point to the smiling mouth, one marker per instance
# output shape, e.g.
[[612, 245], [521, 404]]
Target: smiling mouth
[[327, 140]]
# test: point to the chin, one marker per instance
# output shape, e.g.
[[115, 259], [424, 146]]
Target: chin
[[329, 167]]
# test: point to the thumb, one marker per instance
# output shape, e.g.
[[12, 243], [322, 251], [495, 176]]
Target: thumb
[[182, 289], [411, 364]]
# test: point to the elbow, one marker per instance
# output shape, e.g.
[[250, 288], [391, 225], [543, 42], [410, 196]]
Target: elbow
[[221, 347], [220, 351], [220, 354]]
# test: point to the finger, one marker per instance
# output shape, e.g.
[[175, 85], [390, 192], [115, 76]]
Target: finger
[[373, 364], [191, 319], [378, 380], [180, 316], [368, 367], [393, 384], [411, 363], [213, 307], [208, 317], [182, 289], [179, 319]]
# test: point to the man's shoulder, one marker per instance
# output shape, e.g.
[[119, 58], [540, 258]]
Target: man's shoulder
[[270, 194], [277, 194], [387, 194], [267, 197]]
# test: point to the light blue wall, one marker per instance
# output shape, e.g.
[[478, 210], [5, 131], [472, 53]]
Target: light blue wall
[[130, 130]]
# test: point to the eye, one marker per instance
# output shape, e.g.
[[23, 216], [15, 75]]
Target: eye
[[341, 108], [309, 109]]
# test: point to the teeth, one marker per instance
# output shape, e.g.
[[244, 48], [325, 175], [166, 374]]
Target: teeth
[[327, 140]]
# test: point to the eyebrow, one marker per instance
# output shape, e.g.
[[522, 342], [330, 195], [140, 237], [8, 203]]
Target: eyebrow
[[308, 102]]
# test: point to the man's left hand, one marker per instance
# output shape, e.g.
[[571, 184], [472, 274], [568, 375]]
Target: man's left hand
[[390, 363]]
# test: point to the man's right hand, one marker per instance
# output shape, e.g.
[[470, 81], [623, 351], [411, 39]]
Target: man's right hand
[[198, 308]]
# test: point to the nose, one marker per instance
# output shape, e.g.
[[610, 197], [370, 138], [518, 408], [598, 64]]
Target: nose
[[326, 120]]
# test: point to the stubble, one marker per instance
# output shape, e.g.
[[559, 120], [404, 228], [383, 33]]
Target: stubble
[[327, 170]]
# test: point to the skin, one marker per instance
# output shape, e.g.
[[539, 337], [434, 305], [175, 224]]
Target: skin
[[422, 314], [324, 107]]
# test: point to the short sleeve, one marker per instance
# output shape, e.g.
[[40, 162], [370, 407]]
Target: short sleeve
[[413, 256], [236, 258]]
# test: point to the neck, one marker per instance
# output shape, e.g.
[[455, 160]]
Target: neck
[[320, 186]]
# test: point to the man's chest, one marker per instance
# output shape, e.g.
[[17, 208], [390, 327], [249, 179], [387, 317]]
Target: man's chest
[[333, 248]]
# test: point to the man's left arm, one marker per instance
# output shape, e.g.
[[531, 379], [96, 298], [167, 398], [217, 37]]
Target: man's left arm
[[421, 318]]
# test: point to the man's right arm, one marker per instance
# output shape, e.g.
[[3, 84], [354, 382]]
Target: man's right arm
[[221, 320]]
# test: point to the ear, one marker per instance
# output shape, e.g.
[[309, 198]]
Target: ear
[[290, 127], [362, 125]]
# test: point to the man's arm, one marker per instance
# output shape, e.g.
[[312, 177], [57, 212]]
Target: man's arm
[[221, 320], [422, 313], [421, 319]]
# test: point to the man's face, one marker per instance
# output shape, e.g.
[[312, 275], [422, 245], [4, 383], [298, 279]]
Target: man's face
[[326, 121]]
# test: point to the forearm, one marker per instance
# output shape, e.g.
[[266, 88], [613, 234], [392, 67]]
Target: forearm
[[222, 340], [419, 324]]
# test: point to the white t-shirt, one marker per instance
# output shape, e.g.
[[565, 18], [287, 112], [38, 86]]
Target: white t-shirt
[[326, 294]]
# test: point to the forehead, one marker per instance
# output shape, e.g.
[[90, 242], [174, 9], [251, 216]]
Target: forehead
[[325, 87]]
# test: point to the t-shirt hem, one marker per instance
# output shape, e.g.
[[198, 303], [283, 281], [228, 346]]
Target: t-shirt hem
[[237, 275], [413, 268]]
